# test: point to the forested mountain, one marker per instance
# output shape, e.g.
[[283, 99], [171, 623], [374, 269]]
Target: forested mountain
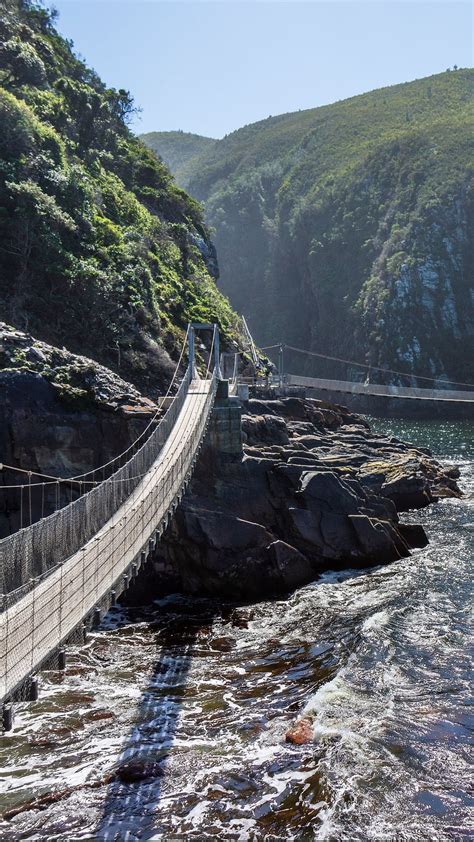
[[176, 149], [347, 229], [100, 251]]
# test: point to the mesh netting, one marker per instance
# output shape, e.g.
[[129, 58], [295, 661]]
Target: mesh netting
[[87, 552], [33, 550]]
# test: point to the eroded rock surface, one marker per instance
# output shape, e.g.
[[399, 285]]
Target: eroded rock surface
[[60, 414], [316, 489]]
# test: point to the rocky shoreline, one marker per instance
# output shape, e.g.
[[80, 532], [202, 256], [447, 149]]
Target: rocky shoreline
[[311, 489], [315, 489]]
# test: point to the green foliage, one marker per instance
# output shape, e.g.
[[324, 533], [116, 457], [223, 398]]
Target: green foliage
[[100, 250], [348, 228], [176, 149]]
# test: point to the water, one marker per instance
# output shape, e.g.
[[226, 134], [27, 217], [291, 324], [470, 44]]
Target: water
[[203, 694]]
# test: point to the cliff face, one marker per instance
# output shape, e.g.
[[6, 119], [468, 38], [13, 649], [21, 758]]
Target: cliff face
[[347, 229], [61, 415], [100, 250]]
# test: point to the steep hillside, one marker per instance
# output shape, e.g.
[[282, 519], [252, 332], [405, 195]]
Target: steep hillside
[[176, 149], [347, 229], [100, 251]]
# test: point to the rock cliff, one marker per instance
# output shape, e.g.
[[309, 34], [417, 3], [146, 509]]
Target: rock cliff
[[61, 415]]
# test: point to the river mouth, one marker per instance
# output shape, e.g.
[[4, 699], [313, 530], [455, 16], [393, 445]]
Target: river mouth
[[179, 710]]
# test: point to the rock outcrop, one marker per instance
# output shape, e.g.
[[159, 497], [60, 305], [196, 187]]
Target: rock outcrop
[[60, 414], [315, 489]]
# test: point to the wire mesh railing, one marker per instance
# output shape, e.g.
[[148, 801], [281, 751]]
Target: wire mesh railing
[[42, 612], [31, 551]]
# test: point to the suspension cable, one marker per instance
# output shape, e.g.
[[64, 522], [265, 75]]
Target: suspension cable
[[78, 478], [366, 365]]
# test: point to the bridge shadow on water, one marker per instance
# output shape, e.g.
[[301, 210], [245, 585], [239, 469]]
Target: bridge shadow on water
[[130, 809]]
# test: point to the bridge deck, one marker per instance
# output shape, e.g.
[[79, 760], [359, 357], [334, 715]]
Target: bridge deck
[[35, 625], [348, 387]]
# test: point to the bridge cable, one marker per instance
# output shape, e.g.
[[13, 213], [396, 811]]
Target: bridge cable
[[78, 478], [366, 365]]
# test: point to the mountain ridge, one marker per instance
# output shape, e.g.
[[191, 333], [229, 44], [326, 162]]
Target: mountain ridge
[[344, 208], [101, 251], [177, 148]]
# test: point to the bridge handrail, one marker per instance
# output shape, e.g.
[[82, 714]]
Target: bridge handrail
[[35, 549], [33, 626]]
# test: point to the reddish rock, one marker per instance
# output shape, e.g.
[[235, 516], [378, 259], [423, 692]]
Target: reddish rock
[[301, 732]]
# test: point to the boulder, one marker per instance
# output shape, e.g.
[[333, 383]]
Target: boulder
[[327, 491], [301, 732], [264, 428], [291, 566], [221, 531], [413, 534], [408, 492], [378, 540]]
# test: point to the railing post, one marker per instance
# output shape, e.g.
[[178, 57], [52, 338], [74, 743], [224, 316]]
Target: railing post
[[280, 365], [192, 365], [217, 352]]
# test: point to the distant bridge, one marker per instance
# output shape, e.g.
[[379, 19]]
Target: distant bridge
[[387, 391], [464, 397]]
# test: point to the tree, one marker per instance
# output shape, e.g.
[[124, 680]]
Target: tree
[[122, 105], [21, 64]]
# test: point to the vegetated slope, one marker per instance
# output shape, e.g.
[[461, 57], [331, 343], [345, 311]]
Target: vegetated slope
[[347, 229], [100, 251], [176, 149]]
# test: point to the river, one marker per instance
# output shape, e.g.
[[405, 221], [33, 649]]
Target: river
[[203, 693]]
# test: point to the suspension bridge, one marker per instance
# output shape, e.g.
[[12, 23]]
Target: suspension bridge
[[74, 563], [67, 568], [435, 391]]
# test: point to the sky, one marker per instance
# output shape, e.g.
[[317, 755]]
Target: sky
[[211, 67]]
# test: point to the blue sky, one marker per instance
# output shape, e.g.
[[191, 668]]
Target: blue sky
[[211, 67]]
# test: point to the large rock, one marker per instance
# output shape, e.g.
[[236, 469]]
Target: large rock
[[264, 428], [327, 491], [316, 489], [291, 567], [220, 531]]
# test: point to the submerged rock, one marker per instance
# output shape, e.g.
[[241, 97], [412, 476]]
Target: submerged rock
[[301, 732]]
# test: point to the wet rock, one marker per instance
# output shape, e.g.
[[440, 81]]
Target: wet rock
[[292, 566], [137, 769], [316, 489], [301, 732], [413, 534], [380, 541]]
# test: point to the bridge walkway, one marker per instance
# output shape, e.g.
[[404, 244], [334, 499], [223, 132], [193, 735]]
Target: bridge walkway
[[35, 625]]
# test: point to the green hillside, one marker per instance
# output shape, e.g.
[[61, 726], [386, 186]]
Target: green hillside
[[347, 229], [176, 149], [100, 251]]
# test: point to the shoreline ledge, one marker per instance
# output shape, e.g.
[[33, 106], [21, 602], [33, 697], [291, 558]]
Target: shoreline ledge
[[315, 490]]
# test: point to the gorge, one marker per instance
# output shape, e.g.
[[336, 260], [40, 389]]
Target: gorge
[[363, 210], [280, 649]]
